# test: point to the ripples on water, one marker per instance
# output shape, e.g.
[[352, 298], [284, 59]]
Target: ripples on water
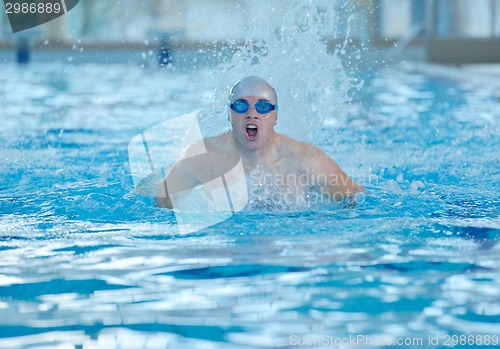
[[86, 263]]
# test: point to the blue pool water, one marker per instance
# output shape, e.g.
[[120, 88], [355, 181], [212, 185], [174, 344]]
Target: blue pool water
[[86, 263]]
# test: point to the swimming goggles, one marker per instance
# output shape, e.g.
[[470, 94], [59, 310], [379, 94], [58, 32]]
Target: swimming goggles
[[241, 106]]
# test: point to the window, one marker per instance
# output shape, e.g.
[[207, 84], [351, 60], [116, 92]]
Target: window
[[395, 18], [467, 18]]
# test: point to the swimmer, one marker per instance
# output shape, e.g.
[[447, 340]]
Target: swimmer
[[268, 158]]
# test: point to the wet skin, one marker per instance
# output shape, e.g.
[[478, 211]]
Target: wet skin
[[263, 149]]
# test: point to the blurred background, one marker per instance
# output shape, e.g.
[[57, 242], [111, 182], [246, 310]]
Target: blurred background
[[441, 31]]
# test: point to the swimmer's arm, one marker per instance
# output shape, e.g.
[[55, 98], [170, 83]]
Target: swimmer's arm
[[178, 179], [155, 186], [184, 175], [336, 183], [148, 186]]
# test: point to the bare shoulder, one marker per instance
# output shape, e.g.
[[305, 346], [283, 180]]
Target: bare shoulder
[[295, 148], [218, 143], [339, 185], [310, 157], [207, 147], [207, 158]]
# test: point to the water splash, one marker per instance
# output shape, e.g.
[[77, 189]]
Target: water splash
[[294, 55]]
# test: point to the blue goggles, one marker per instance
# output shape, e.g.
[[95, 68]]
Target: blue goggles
[[241, 106]]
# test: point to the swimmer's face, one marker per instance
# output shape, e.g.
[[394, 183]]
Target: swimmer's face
[[252, 130]]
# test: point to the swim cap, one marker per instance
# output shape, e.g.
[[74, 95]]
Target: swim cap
[[253, 86]]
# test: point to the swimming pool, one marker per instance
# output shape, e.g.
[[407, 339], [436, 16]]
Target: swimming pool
[[86, 263]]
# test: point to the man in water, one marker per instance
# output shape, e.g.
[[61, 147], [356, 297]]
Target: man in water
[[275, 163]]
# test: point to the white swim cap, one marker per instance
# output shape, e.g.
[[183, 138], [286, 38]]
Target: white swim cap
[[253, 86]]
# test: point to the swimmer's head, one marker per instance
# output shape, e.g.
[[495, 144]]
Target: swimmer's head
[[253, 126], [253, 86]]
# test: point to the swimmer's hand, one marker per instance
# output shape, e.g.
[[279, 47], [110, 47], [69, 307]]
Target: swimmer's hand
[[149, 185], [352, 200], [155, 186]]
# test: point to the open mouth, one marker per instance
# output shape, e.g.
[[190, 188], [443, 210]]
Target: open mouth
[[251, 132]]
